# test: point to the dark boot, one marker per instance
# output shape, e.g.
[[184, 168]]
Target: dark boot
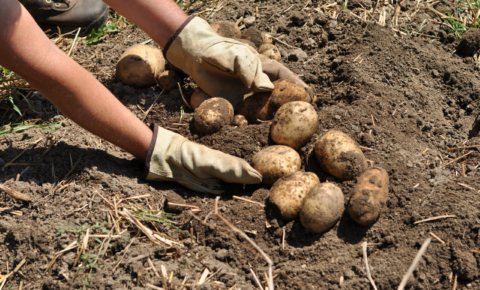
[[68, 14]]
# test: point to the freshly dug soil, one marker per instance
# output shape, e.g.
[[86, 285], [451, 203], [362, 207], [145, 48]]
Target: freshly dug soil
[[406, 98]]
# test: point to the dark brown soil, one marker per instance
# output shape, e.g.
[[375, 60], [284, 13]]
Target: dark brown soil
[[408, 98]]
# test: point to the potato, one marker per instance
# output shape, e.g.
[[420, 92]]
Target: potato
[[370, 196], [288, 192], [168, 80], [197, 98], [257, 107], [270, 51], [276, 161], [340, 155], [239, 120], [256, 36], [294, 124], [226, 29], [288, 91], [322, 207], [140, 65], [212, 115]]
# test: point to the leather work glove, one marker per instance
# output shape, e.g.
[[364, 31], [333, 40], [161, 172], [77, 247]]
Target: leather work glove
[[277, 71], [172, 157], [222, 67]]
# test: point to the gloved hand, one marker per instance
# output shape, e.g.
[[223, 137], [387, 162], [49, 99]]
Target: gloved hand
[[172, 157], [222, 67]]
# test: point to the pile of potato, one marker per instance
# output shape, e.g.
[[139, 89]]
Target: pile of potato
[[294, 193]]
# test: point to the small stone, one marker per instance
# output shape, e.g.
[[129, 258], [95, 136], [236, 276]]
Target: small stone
[[297, 55], [303, 266], [409, 164], [348, 274], [173, 197], [221, 254], [421, 277], [355, 128], [337, 117], [470, 167], [248, 21]]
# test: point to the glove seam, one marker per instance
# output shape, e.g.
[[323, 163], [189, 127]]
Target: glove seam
[[175, 35], [148, 158]]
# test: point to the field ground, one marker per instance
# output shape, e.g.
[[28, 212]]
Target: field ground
[[394, 82]]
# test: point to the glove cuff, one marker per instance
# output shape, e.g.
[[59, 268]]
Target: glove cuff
[[146, 170], [174, 36]]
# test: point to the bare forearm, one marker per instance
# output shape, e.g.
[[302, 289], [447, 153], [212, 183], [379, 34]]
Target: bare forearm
[[72, 89], [158, 18]]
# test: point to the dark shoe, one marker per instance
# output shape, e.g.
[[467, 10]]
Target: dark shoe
[[68, 14]]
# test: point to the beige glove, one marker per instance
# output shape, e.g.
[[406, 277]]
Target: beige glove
[[222, 67], [172, 157]]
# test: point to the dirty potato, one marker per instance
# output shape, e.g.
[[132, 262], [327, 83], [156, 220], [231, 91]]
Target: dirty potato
[[139, 65], [276, 161], [212, 115], [270, 51], [256, 36], [197, 98], [226, 29], [370, 196], [257, 107], [294, 124], [239, 120], [322, 207], [339, 155], [168, 80], [288, 192], [286, 91]]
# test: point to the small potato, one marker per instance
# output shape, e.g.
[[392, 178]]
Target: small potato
[[239, 120], [139, 65], [322, 207], [276, 161], [370, 196], [288, 192], [339, 155], [270, 51], [212, 115], [257, 107], [294, 124], [197, 98], [288, 91], [168, 80], [226, 29], [256, 36]]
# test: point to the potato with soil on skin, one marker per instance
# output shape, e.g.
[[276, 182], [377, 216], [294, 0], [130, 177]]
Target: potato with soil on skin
[[294, 124], [276, 161], [139, 65], [270, 51], [168, 80], [198, 97], [370, 196], [257, 107], [322, 207], [339, 155], [288, 192], [286, 91], [256, 36], [240, 121], [212, 115], [226, 29]]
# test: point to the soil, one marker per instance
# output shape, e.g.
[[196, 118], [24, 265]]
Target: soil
[[402, 93]]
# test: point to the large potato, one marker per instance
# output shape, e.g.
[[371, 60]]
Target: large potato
[[226, 29], [198, 97], [286, 91], [370, 196], [256, 107], [322, 207], [256, 36], [140, 65], [294, 124], [276, 161], [212, 115], [340, 155], [288, 192]]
